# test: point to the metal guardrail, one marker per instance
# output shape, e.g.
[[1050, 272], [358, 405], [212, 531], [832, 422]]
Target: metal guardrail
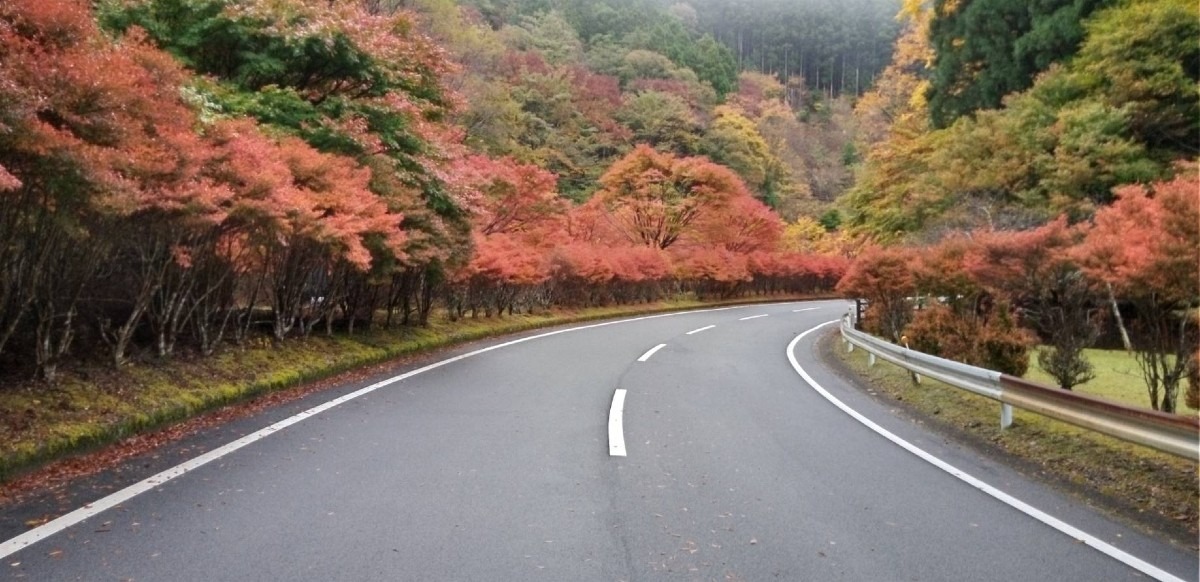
[[1170, 433]]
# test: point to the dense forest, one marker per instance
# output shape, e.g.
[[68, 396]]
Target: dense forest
[[831, 47], [186, 175]]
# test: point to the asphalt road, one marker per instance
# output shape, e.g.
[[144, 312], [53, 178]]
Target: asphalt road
[[496, 466]]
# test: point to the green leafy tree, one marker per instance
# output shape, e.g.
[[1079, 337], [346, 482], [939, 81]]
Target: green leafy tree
[[662, 120], [1143, 60], [733, 140], [830, 220], [986, 49], [645, 64], [551, 35], [834, 47]]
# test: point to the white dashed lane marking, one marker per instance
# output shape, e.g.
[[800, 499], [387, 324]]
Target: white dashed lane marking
[[646, 356], [616, 426]]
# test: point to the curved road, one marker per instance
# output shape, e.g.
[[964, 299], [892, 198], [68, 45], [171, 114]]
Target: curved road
[[497, 466]]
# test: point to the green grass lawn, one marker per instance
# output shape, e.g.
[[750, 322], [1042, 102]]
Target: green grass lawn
[[1118, 378]]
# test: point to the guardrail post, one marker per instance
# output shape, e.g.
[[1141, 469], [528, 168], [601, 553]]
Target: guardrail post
[[870, 360], [1005, 415], [916, 378]]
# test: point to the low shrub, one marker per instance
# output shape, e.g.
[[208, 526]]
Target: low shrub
[[991, 341]]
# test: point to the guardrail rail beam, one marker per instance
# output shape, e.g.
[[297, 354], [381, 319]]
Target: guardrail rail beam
[[1170, 433]]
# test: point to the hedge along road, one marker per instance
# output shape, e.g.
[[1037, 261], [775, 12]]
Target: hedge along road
[[496, 466]]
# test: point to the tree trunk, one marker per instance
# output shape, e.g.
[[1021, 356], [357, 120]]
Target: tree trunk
[[243, 329], [1112, 300], [49, 349], [842, 81]]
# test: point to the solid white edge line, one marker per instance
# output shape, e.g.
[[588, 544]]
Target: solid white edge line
[[646, 356], [754, 317], [59, 524], [1070, 530], [694, 331], [616, 426]]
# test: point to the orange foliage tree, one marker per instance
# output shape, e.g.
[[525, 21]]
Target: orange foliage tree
[[1143, 251], [883, 276], [652, 198], [963, 317], [95, 138], [517, 216], [1146, 246], [120, 204], [1035, 270]]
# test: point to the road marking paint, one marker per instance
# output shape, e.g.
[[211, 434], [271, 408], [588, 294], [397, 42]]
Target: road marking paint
[[803, 310], [694, 331], [616, 426], [1068, 529], [646, 356], [93, 509], [754, 317]]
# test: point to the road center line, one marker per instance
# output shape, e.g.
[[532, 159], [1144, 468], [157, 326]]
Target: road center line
[[803, 310], [1062, 526], [646, 356], [754, 317], [694, 331], [616, 426]]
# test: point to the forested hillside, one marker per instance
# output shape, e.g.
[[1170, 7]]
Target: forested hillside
[[1033, 166], [571, 85], [978, 125], [187, 175]]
